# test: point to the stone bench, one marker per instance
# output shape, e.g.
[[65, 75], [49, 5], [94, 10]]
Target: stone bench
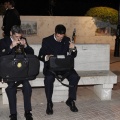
[[92, 64]]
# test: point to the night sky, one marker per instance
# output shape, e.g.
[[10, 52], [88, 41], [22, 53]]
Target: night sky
[[62, 7]]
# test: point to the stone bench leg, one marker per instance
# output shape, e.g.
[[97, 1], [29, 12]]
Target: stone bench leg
[[104, 91], [4, 96], [60, 93]]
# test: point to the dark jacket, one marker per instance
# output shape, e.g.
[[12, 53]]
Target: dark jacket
[[4, 16], [11, 18], [51, 47], [5, 47]]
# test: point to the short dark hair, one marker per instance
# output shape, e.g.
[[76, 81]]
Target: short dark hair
[[9, 1], [12, 3], [60, 29], [16, 29]]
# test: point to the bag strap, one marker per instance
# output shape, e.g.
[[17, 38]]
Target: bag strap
[[60, 78]]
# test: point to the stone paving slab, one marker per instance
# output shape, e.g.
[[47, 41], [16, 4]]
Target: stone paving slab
[[89, 105]]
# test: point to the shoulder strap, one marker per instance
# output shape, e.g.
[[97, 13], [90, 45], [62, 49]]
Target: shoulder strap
[[60, 78]]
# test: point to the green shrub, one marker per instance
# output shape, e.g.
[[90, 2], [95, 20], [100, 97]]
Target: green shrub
[[104, 13]]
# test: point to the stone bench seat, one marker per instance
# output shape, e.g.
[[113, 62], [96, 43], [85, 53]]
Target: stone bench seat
[[91, 77], [92, 64]]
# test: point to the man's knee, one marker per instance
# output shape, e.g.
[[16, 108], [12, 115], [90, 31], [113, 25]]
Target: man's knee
[[11, 89], [49, 79], [74, 79], [26, 85]]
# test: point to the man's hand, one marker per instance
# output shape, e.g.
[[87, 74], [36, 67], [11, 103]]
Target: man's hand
[[3, 34], [72, 45], [14, 43], [2, 27], [47, 57], [23, 42]]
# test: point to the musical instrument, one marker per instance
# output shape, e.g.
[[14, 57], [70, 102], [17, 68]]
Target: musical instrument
[[73, 36]]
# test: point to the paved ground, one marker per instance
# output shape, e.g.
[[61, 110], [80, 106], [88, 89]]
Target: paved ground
[[89, 105]]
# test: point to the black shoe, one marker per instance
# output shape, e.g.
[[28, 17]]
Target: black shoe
[[72, 106], [13, 117], [49, 109], [28, 116]]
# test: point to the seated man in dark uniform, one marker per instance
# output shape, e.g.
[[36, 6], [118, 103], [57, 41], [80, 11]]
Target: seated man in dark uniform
[[8, 46], [58, 44]]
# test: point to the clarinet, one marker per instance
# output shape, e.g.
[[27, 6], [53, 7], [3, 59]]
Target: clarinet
[[73, 36], [72, 40]]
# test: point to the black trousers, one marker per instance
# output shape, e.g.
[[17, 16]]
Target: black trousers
[[11, 91], [73, 79]]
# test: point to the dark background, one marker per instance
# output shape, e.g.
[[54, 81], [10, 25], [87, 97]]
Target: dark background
[[62, 7]]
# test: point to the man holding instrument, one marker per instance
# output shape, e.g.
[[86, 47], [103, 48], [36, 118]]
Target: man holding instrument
[[58, 44], [8, 46]]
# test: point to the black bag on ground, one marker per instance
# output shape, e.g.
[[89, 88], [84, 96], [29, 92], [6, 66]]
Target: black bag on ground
[[19, 67]]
